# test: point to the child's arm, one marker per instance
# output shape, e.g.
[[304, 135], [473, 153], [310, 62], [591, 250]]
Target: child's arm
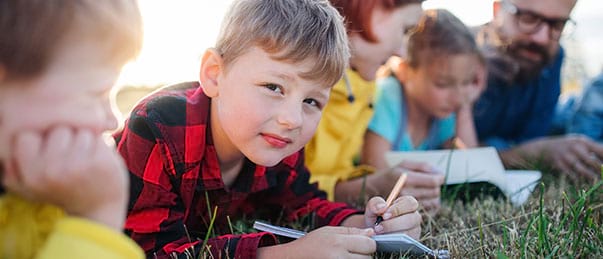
[[465, 128], [466, 136], [373, 150], [77, 171], [158, 209]]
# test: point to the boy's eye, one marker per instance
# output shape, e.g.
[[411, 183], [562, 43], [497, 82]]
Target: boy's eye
[[273, 87], [313, 102]]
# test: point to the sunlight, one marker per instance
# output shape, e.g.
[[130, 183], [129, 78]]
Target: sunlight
[[177, 33]]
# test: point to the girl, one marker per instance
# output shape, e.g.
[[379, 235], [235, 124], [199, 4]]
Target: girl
[[426, 103]]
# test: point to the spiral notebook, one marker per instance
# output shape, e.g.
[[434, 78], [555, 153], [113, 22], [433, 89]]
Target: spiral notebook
[[389, 243]]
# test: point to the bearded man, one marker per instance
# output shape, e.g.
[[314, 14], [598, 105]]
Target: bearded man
[[514, 114]]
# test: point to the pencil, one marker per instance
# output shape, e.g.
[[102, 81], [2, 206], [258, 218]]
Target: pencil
[[393, 195]]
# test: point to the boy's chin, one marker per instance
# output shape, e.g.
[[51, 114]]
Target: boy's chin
[[267, 161]]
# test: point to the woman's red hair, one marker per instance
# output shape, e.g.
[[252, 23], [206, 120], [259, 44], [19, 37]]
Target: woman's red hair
[[358, 13]]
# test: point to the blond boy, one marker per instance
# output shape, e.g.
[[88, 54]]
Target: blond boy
[[231, 144], [64, 190]]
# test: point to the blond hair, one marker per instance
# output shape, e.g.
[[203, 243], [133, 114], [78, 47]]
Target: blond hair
[[289, 30], [34, 30]]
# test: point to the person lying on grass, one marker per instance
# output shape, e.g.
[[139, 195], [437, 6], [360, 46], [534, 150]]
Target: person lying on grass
[[207, 153], [65, 189]]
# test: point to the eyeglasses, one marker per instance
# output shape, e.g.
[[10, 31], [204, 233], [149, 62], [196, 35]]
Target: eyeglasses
[[530, 22]]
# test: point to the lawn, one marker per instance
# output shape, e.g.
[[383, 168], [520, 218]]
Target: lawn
[[561, 219]]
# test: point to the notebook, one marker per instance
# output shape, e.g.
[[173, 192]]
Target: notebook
[[389, 243], [474, 165]]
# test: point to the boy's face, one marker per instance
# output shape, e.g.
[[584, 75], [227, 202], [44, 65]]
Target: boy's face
[[263, 109], [441, 86], [73, 91]]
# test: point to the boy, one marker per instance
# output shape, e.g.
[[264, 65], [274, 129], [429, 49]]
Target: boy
[[65, 190], [228, 147]]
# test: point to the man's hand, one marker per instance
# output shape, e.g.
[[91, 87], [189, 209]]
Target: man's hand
[[577, 156]]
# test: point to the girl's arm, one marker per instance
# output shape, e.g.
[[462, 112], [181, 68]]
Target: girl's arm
[[466, 136], [374, 149]]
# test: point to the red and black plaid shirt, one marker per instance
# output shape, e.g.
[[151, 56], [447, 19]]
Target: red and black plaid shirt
[[176, 183]]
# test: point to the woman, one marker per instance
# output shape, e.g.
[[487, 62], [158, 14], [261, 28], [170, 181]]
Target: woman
[[377, 29]]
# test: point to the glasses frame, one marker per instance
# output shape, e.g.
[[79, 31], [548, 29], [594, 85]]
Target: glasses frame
[[556, 26]]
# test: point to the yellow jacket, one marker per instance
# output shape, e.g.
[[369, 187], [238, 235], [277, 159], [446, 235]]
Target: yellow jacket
[[30, 230], [331, 153]]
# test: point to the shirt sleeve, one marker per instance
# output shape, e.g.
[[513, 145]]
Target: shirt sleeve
[[80, 238], [587, 117], [156, 212]]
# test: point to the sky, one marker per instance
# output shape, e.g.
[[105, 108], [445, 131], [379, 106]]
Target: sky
[[177, 32]]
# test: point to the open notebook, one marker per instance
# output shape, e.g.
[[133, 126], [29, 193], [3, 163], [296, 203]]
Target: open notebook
[[474, 165], [390, 243]]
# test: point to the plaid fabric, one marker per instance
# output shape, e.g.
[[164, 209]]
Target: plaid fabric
[[176, 183]]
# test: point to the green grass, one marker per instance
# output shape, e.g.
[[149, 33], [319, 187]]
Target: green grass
[[561, 219]]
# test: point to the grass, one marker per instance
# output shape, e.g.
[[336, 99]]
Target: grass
[[561, 219]]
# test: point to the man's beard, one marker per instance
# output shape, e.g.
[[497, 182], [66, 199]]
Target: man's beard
[[504, 59], [528, 69]]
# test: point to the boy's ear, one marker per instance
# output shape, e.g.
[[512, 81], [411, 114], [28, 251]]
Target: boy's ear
[[211, 68]]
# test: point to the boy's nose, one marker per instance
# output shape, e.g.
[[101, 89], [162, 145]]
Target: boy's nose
[[291, 116]]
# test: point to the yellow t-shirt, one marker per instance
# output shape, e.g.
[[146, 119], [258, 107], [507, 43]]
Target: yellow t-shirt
[[331, 152], [33, 230]]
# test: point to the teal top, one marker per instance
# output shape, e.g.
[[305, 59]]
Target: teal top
[[390, 119]]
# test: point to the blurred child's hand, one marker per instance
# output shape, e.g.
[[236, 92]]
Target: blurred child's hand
[[423, 183], [478, 85], [326, 242], [72, 169], [401, 216]]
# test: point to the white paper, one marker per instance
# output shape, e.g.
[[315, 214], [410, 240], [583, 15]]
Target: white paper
[[474, 165]]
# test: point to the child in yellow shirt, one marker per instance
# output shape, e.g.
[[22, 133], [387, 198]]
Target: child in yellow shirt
[[64, 190]]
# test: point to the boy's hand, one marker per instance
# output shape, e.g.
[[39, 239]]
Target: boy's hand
[[75, 170], [326, 242], [401, 216]]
